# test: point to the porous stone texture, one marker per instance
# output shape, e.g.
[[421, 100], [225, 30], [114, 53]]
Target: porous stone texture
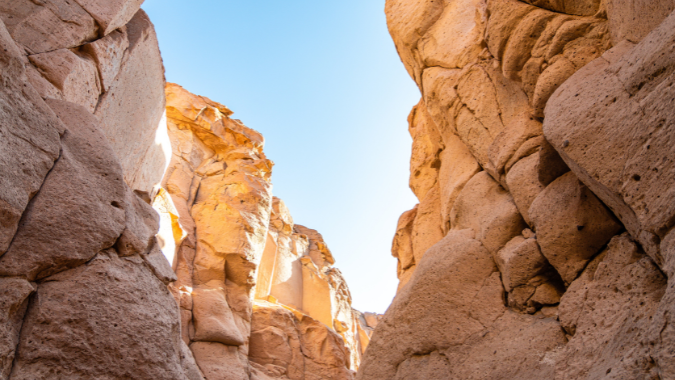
[[112, 266], [83, 283], [552, 126]]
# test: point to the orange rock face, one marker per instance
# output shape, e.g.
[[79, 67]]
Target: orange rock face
[[544, 132], [139, 238], [258, 294]]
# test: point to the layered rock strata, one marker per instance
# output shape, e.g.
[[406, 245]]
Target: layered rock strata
[[542, 160]]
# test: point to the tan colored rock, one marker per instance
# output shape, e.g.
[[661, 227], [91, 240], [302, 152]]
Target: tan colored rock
[[113, 308], [289, 275], [372, 319], [608, 311], [461, 25], [519, 261], [457, 167], [48, 25], [14, 293], [544, 48], [159, 265], [551, 165], [318, 250], [316, 293], [110, 15], [141, 225], [633, 20], [603, 120], [457, 285], [213, 318], [263, 284], [131, 109], [524, 184], [52, 237], [571, 224], [292, 346], [404, 277], [74, 76], [623, 152], [427, 227], [407, 22], [402, 246], [487, 209], [425, 161], [218, 361], [238, 237], [30, 139], [570, 7], [108, 53]]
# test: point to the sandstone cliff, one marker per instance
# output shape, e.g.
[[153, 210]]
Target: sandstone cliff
[[139, 246], [542, 245], [258, 294]]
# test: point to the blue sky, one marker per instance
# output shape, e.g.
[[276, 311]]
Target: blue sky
[[322, 82]]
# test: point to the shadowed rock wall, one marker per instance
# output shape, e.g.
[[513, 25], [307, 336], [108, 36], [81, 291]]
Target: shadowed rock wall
[[82, 294], [543, 163]]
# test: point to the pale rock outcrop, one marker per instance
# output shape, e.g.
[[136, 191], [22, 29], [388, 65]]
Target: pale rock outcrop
[[239, 256], [487, 209], [402, 247], [457, 282], [218, 181], [43, 26]]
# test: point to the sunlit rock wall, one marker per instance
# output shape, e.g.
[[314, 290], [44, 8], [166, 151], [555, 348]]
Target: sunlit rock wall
[[134, 237], [258, 295], [543, 161]]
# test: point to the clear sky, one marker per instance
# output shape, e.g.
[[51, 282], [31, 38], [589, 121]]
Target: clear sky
[[322, 82]]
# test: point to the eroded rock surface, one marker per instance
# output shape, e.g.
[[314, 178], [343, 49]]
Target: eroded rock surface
[[258, 294], [552, 123]]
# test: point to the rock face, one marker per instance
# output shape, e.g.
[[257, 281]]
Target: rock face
[[542, 246], [78, 256], [139, 238], [258, 294]]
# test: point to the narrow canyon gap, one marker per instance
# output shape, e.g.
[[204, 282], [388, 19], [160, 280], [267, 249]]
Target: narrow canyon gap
[[140, 237]]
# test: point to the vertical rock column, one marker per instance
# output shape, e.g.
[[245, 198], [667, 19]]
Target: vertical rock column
[[218, 180]]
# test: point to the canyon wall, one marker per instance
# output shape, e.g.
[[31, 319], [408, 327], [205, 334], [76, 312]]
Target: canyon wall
[[139, 238], [259, 296], [542, 246]]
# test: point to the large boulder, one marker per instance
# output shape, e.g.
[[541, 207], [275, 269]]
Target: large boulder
[[112, 308], [451, 312], [53, 235], [486, 208], [572, 225], [612, 123]]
